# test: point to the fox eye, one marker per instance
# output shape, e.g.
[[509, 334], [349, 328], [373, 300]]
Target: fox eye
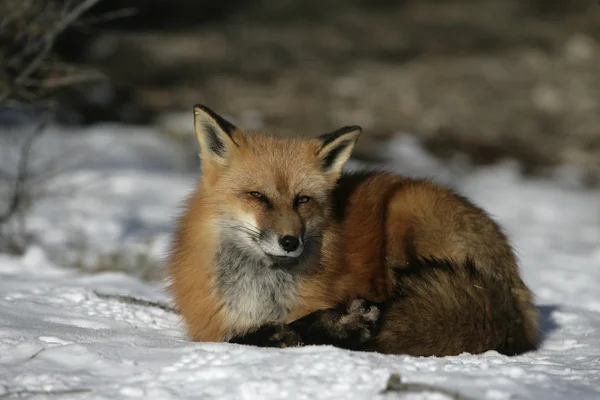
[[259, 196], [301, 200]]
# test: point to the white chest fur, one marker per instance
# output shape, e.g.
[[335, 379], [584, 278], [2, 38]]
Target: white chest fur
[[254, 291]]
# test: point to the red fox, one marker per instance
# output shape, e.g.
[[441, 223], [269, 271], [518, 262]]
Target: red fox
[[278, 247]]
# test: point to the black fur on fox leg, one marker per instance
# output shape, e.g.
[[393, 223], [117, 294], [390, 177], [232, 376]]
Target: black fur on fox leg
[[350, 326], [270, 335]]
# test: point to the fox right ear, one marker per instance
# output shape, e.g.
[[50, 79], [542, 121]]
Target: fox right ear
[[336, 148], [214, 133]]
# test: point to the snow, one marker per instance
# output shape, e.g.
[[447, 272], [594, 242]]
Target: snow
[[62, 335]]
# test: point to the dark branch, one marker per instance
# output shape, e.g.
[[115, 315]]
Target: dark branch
[[19, 188], [67, 18], [136, 301], [395, 384]]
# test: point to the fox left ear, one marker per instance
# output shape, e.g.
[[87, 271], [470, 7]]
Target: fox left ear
[[336, 148], [214, 133]]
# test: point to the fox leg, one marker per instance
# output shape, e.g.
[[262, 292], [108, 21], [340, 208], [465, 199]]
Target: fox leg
[[270, 335], [350, 326]]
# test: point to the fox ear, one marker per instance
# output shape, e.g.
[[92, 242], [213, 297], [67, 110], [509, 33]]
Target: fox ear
[[336, 148], [214, 133]]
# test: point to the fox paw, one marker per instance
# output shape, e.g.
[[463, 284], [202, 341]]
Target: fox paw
[[270, 335], [282, 336], [357, 320]]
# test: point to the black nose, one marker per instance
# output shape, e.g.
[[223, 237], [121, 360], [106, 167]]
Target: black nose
[[289, 243]]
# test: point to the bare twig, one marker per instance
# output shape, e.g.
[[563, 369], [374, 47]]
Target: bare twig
[[395, 384], [37, 353], [66, 6], [48, 40], [136, 301], [109, 16], [28, 393], [18, 191], [61, 81], [73, 15]]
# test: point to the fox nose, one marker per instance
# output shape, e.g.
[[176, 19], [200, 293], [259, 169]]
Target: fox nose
[[289, 243]]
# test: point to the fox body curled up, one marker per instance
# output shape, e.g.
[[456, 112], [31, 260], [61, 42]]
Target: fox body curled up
[[277, 247]]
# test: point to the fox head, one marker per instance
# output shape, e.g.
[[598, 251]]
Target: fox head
[[272, 194]]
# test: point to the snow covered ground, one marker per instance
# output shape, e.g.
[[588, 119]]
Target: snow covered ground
[[61, 337]]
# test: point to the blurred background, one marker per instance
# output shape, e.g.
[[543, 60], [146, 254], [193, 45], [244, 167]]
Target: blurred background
[[474, 82], [489, 79]]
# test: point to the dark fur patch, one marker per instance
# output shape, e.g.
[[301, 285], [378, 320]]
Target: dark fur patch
[[332, 155], [409, 247], [345, 186], [330, 137], [471, 269], [269, 335], [225, 125], [349, 326], [422, 269], [215, 144]]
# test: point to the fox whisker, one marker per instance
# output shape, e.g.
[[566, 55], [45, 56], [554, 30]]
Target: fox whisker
[[312, 237], [250, 230]]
